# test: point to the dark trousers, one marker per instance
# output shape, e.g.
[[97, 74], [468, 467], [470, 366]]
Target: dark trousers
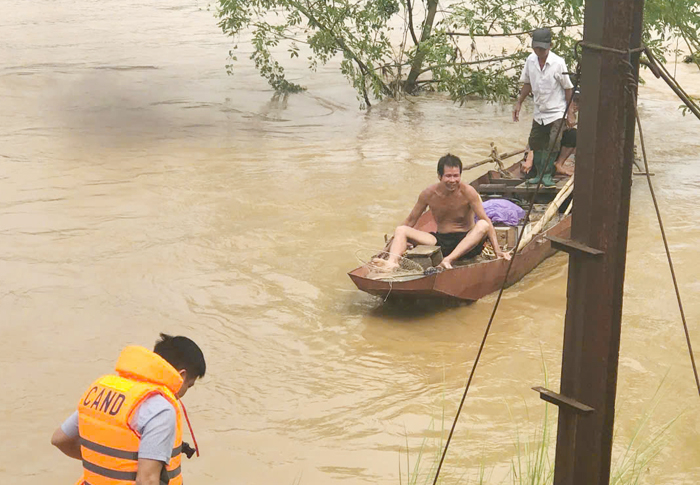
[[544, 137]]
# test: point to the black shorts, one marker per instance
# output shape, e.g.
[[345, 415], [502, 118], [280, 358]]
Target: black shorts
[[448, 241], [568, 139], [544, 137]]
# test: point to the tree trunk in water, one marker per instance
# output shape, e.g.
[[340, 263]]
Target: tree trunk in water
[[417, 63]]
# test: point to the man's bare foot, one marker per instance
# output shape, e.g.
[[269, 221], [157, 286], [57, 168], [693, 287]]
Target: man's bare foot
[[564, 170], [445, 264], [383, 264]]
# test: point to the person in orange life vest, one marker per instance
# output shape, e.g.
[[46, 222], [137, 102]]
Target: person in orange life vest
[[127, 429]]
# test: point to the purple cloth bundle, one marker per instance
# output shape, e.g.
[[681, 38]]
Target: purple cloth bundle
[[503, 211]]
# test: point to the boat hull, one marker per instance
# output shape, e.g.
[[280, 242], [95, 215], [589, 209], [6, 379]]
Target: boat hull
[[470, 282]]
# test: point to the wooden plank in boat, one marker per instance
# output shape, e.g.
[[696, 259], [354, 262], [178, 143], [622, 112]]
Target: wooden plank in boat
[[520, 189], [425, 255], [505, 181], [523, 188], [423, 250]]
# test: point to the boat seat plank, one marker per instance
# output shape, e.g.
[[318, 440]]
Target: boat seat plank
[[423, 250], [426, 256], [522, 188], [504, 181]]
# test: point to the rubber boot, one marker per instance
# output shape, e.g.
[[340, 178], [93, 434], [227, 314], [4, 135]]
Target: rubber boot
[[544, 167]]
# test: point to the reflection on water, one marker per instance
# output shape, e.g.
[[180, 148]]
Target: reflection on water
[[144, 190]]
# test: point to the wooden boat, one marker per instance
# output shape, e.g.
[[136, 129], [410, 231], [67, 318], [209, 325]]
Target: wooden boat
[[477, 277]]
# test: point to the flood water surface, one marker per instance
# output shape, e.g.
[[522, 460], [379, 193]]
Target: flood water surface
[[144, 190]]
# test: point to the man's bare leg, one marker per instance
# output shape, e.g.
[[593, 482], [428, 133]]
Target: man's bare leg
[[402, 236], [527, 163], [559, 164], [474, 237]]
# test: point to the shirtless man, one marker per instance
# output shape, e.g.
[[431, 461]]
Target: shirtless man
[[453, 205]]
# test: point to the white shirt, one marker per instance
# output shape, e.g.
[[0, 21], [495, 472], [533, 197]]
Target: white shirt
[[548, 85]]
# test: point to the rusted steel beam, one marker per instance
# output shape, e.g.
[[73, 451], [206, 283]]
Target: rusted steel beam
[[570, 246], [562, 401], [600, 220]]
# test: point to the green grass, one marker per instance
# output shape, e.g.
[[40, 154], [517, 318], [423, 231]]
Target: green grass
[[629, 466], [533, 460], [532, 464], [419, 474]]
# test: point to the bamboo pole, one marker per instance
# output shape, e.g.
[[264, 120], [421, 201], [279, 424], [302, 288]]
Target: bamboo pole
[[502, 156], [552, 209], [568, 209]]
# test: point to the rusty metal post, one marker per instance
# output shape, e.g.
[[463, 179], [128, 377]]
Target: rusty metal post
[[604, 161]]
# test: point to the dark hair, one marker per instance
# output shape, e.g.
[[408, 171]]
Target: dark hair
[[448, 160], [181, 353]]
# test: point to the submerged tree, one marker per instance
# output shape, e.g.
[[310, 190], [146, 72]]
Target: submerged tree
[[390, 47]]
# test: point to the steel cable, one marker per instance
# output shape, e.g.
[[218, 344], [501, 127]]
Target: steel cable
[[632, 89]]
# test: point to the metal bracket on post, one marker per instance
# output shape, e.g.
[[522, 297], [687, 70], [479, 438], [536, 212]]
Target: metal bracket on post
[[563, 401], [573, 247]]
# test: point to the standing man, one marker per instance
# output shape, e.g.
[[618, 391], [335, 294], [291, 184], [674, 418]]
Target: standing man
[[454, 205], [128, 426], [544, 75]]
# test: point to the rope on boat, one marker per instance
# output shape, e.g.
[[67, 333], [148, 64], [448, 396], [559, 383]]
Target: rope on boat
[[406, 266], [491, 158], [500, 294]]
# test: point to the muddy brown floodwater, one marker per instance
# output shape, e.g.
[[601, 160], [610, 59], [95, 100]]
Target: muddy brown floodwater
[[144, 190]]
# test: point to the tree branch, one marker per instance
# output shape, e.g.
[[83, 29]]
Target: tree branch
[[512, 34], [693, 56], [482, 61], [364, 90], [395, 64], [341, 43], [409, 8], [420, 52]]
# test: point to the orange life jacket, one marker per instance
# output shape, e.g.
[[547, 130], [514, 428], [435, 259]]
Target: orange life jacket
[[108, 444]]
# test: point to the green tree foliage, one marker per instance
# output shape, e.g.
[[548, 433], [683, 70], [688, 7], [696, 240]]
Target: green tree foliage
[[391, 47]]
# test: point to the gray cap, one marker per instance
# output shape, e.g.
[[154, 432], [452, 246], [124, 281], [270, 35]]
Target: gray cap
[[542, 38]]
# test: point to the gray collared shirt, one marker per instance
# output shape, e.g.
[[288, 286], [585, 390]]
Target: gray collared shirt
[[155, 420]]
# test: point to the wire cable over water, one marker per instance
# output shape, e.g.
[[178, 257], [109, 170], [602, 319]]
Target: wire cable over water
[[632, 90]]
